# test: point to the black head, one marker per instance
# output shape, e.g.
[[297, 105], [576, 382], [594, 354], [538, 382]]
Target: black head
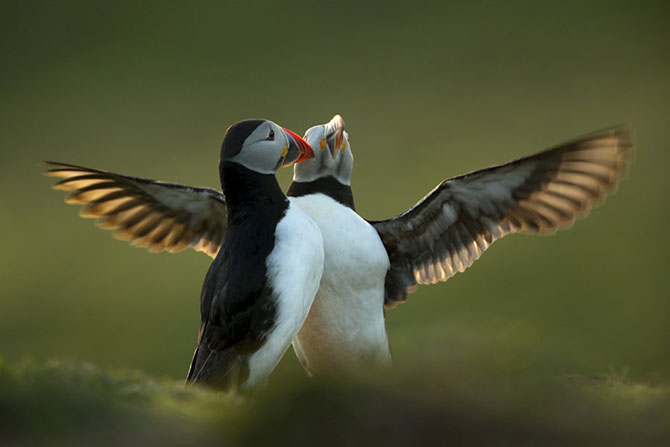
[[263, 146]]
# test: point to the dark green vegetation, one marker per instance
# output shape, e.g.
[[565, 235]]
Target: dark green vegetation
[[79, 403], [427, 91]]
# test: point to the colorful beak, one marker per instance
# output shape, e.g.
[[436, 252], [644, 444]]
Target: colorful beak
[[334, 134], [298, 150]]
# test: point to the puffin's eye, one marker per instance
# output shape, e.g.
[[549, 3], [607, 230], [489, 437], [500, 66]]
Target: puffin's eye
[[271, 137]]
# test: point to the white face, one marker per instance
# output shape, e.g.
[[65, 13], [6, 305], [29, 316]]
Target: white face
[[264, 149], [329, 160]]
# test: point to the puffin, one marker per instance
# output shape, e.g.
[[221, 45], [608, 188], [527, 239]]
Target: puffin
[[370, 266], [262, 282], [345, 327], [268, 254]]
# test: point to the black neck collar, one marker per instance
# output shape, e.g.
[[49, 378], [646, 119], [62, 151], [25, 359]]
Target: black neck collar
[[328, 186]]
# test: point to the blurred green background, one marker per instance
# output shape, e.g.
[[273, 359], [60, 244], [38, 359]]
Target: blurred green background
[[428, 91]]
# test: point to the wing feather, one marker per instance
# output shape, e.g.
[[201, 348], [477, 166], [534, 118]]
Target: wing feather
[[452, 226], [156, 215]]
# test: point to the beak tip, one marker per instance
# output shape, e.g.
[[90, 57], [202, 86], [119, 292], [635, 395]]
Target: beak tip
[[296, 142], [338, 121]]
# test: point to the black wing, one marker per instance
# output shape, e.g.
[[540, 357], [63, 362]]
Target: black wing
[[225, 345], [237, 312], [454, 224], [159, 216]]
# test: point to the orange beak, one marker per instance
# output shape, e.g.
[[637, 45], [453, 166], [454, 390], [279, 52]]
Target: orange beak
[[298, 149], [335, 134]]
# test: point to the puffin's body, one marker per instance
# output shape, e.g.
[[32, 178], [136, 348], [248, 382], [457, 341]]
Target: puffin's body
[[345, 327], [262, 282], [346, 323], [265, 276]]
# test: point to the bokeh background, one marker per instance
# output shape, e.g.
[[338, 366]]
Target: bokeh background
[[428, 91]]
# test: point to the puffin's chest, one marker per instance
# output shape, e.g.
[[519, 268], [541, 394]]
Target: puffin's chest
[[354, 253], [346, 322]]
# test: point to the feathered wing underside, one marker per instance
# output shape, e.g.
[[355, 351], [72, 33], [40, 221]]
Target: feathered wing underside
[[156, 215], [454, 224]]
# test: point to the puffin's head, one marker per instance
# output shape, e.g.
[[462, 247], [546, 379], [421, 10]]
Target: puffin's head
[[332, 156], [262, 146]]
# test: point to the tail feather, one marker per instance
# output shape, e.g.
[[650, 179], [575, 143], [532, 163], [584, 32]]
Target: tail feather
[[226, 370]]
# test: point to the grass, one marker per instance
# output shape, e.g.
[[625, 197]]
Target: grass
[[81, 404]]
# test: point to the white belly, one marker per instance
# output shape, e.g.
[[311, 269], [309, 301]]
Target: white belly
[[294, 272], [345, 326]]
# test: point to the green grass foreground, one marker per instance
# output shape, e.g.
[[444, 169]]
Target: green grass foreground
[[81, 404]]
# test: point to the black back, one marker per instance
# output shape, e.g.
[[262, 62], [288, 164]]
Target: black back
[[237, 305], [329, 186]]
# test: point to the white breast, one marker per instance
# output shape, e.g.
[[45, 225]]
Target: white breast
[[346, 323], [294, 268]]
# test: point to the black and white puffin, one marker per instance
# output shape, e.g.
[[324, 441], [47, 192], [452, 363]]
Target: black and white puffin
[[372, 265], [269, 254], [345, 325], [262, 282]]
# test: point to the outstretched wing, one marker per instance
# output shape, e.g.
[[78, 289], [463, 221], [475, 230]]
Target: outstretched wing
[[159, 216], [454, 224]]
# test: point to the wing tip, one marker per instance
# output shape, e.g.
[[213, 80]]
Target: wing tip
[[47, 163], [56, 165]]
